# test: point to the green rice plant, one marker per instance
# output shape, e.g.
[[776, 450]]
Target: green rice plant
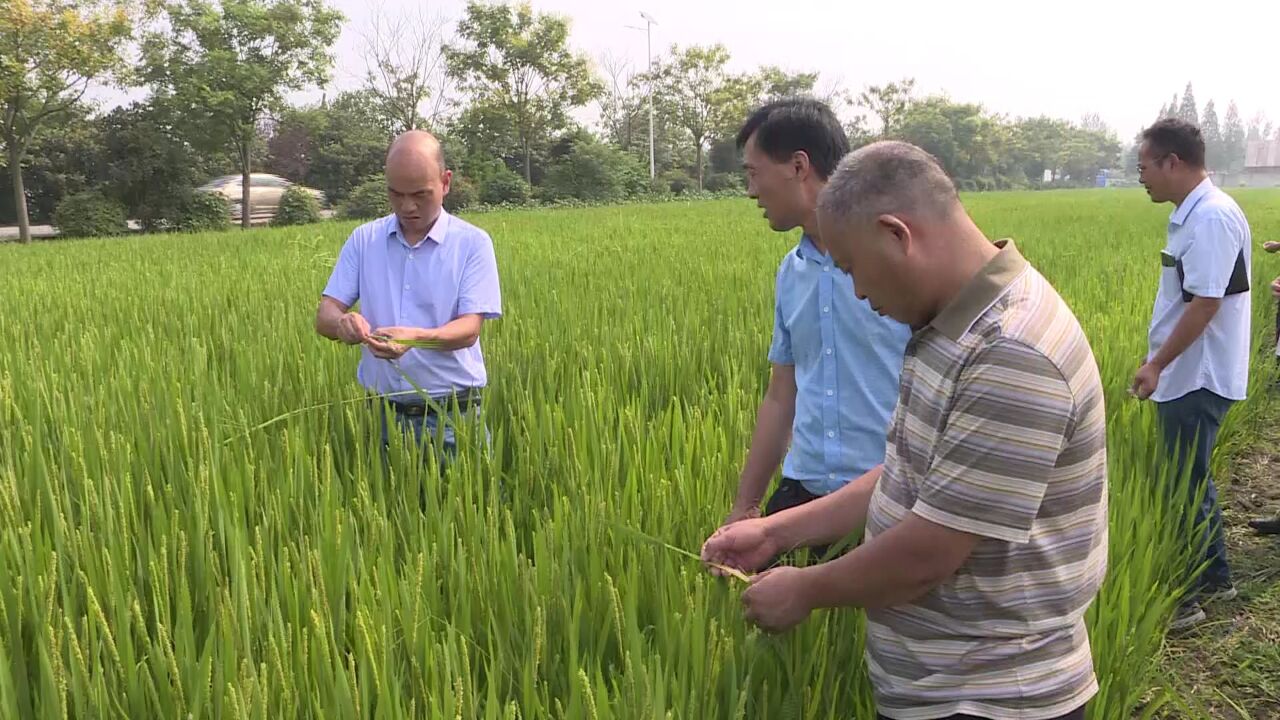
[[195, 520]]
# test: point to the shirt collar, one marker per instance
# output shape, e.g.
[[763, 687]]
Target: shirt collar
[[806, 250], [1183, 211], [437, 234], [981, 292]]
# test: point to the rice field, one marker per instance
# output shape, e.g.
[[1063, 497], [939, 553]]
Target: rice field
[[163, 554]]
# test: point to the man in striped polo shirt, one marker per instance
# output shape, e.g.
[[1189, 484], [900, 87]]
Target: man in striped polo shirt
[[986, 534]]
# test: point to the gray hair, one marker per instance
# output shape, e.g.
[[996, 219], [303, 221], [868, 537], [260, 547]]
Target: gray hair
[[888, 177]]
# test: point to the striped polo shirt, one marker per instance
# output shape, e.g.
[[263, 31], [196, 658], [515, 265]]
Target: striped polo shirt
[[1000, 432]]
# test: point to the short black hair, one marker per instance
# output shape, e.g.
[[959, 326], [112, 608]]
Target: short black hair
[[1178, 137], [785, 126]]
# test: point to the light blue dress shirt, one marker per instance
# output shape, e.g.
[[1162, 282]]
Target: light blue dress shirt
[[847, 362], [452, 272]]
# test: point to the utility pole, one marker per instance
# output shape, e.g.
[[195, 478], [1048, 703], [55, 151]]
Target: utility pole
[[648, 31]]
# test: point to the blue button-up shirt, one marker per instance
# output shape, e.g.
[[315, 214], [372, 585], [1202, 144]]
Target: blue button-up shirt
[[452, 272], [847, 362]]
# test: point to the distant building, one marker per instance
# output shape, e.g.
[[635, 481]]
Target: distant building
[[1262, 164]]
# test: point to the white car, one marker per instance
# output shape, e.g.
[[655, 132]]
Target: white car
[[265, 191]]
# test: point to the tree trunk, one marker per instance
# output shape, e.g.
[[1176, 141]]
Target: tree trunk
[[699, 166], [245, 187], [528, 164], [19, 194]]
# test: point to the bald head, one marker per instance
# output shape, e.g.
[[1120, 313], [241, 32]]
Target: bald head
[[888, 178], [416, 146], [417, 181]]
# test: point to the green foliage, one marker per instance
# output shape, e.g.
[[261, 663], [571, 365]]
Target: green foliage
[[723, 182], [89, 214], [499, 184], [201, 212], [595, 171], [463, 193], [221, 67], [297, 207], [675, 181], [331, 147], [50, 51], [368, 200], [518, 70]]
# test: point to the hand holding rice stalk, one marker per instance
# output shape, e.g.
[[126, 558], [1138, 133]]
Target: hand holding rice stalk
[[420, 344]]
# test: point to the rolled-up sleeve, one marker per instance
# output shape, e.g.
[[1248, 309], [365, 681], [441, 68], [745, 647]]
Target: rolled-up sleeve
[[344, 281], [479, 291]]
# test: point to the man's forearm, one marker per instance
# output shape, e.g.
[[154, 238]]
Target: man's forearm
[[827, 519], [327, 319], [895, 568], [1191, 325], [768, 447]]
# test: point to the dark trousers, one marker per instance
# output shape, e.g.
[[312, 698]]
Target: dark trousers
[[792, 493], [1189, 426], [1077, 714]]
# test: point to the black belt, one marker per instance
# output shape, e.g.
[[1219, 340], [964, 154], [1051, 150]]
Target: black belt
[[415, 406]]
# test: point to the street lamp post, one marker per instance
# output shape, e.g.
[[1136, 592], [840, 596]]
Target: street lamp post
[[648, 31]]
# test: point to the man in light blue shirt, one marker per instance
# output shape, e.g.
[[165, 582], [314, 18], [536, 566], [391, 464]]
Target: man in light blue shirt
[[1197, 364], [835, 361], [426, 281]]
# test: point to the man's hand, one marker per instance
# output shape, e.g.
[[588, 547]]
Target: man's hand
[[777, 599], [1271, 246], [353, 329], [742, 512], [1145, 381], [744, 545], [381, 347], [1275, 287]]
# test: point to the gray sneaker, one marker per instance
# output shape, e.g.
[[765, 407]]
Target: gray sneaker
[[1189, 615], [1218, 593]]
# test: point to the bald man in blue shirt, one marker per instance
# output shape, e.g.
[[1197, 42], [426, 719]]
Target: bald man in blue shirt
[[420, 275]]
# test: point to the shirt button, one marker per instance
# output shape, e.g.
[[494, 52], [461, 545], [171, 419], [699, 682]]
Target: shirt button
[[830, 393], [831, 476], [831, 433], [406, 287], [826, 268], [826, 308], [828, 349]]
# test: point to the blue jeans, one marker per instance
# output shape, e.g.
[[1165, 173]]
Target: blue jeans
[[1190, 427]]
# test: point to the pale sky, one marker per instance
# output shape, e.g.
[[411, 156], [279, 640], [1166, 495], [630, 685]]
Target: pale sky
[[1122, 59]]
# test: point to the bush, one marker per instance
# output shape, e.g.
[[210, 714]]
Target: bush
[[677, 181], [462, 193], [723, 182], [297, 207], [595, 172], [201, 212], [367, 200], [89, 214], [502, 185]]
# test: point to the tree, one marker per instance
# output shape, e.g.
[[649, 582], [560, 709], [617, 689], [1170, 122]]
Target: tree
[[888, 103], [405, 68], [623, 105], [332, 147], [1212, 131], [224, 68], [1187, 109], [1233, 137], [149, 167], [51, 51], [698, 95], [518, 69], [776, 83]]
